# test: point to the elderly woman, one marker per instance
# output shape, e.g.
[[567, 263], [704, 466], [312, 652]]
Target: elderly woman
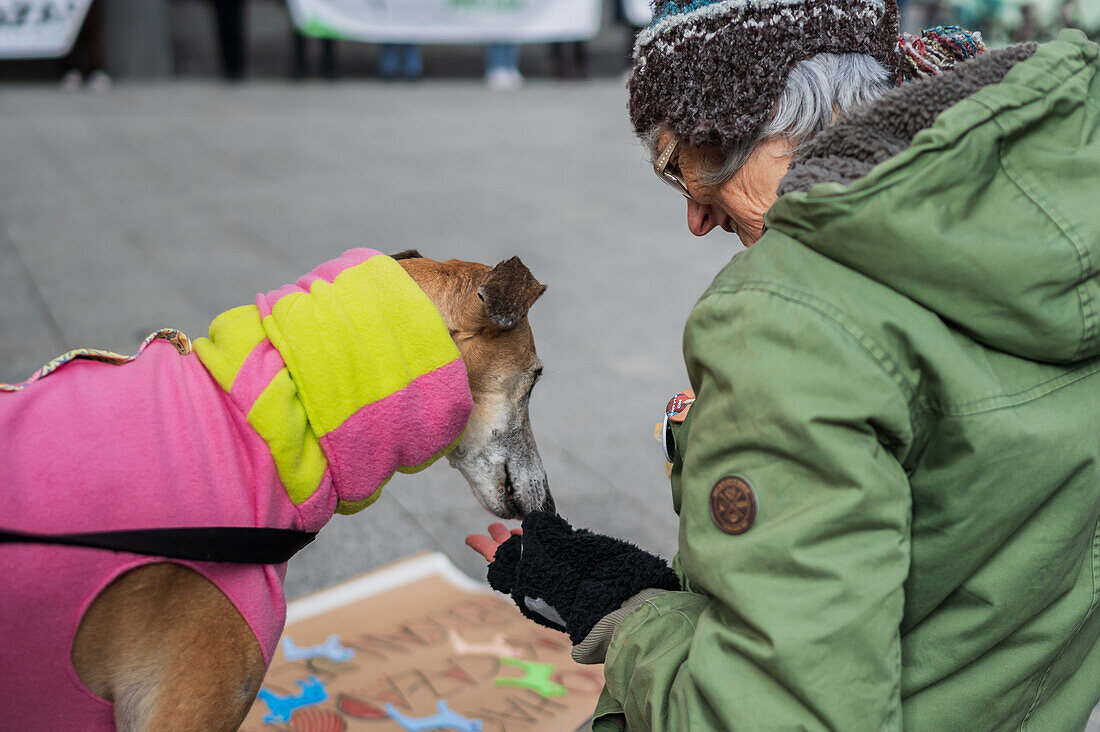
[[889, 484]]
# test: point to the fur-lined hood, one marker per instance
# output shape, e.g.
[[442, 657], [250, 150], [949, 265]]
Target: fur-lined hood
[[853, 146], [974, 193]]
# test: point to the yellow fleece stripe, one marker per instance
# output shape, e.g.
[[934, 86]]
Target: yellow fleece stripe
[[356, 340], [233, 335], [280, 419]]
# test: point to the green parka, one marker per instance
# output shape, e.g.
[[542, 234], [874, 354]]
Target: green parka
[[905, 370]]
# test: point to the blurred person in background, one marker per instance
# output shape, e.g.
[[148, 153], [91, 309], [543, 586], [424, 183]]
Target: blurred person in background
[[1030, 28], [502, 66], [937, 12], [87, 60], [562, 66], [622, 17], [400, 59], [1067, 14], [887, 471], [229, 21], [989, 15]]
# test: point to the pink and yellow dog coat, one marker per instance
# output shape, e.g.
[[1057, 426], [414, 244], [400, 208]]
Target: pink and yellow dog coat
[[296, 407]]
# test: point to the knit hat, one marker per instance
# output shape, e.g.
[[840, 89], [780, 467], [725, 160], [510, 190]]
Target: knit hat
[[712, 70]]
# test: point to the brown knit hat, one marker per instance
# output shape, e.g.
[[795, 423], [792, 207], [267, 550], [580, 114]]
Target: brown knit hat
[[712, 70]]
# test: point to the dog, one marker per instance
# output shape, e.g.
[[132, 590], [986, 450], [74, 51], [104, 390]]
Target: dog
[[168, 645]]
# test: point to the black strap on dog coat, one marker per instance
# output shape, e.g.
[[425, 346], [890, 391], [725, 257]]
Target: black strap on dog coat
[[237, 544]]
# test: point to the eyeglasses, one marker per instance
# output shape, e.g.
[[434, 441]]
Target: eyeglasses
[[660, 167]]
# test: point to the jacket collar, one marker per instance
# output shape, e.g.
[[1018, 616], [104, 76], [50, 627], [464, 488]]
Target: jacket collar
[[849, 149]]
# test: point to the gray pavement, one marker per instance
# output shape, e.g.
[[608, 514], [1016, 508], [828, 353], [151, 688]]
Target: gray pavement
[[163, 205]]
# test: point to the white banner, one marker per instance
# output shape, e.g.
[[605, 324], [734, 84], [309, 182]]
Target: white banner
[[448, 21], [638, 12], [40, 28]]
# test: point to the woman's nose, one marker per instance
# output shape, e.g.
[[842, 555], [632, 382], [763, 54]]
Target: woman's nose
[[701, 219]]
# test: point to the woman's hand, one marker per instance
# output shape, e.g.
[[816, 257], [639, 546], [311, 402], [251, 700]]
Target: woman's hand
[[487, 546], [566, 578]]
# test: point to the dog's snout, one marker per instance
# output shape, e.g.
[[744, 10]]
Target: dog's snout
[[547, 504]]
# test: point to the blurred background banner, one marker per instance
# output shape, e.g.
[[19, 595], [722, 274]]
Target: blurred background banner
[[40, 28], [1011, 11], [638, 12], [448, 21], [1002, 22]]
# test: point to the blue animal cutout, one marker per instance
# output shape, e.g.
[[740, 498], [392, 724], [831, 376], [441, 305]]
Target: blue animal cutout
[[331, 648], [313, 692], [445, 718]]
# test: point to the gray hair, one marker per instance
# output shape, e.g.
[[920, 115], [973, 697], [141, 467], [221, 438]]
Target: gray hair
[[818, 90]]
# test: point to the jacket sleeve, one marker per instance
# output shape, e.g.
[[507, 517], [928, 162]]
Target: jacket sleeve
[[794, 623]]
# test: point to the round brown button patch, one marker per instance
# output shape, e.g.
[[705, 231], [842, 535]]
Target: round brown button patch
[[733, 505]]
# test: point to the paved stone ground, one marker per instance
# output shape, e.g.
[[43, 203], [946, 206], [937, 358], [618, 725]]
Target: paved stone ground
[[163, 205]]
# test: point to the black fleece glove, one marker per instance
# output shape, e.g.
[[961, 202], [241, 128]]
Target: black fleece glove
[[573, 574]]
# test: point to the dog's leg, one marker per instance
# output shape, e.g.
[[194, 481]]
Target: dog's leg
[[170, 650]]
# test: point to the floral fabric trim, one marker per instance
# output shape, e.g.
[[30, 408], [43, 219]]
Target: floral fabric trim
[[175, 337]]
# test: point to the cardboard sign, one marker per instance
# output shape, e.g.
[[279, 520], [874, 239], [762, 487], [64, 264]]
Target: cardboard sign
[[420, 646], [448, 21]]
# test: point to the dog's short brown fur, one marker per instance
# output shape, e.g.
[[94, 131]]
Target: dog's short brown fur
[[172, 652]]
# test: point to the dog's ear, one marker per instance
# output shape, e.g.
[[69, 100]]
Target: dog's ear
[[407, 254], [509, 292]]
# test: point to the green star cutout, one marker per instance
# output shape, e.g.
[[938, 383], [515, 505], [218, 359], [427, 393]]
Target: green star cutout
[[537, 678]]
